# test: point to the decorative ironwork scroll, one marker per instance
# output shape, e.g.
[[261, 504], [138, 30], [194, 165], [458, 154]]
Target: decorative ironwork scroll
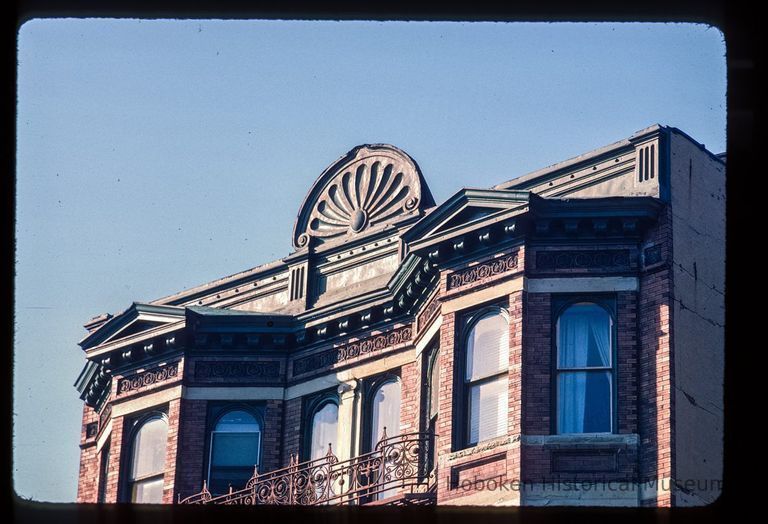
[[396, 466]]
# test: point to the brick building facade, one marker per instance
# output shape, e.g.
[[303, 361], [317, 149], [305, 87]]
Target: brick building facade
[[555, 339]]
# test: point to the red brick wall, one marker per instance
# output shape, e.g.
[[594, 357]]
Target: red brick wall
[[190, 456], [411, 393], [516, 403], [445, 401], [169, 479], [88, 479], [271, 458], [291, 429], [625, 379], [537, 365], [655, 362]]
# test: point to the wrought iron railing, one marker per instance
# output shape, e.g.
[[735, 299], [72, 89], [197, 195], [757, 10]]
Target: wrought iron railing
[[396, 466]]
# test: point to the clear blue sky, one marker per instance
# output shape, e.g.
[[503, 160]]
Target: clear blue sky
[[154, 156]]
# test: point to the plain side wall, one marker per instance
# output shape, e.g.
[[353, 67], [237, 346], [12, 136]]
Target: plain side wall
[[698, 225]]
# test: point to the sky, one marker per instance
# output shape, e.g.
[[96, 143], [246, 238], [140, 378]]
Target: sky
[[157, 155]]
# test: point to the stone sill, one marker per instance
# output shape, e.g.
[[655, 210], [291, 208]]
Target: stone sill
[[584, 440]]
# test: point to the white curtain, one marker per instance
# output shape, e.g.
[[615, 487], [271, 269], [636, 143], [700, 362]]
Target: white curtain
[[386, 413], [572, 389], [600, 329], [584, 342], [324, 432]]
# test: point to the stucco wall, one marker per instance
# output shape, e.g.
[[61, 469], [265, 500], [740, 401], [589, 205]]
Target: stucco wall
[[698, 235]]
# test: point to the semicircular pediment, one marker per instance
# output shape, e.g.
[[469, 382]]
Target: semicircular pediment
[[370, 186]]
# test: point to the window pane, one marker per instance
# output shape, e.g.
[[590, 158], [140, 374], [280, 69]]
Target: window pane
[[488, 410], [584, 402], [148, 491], [104, 473], [149, 448], [434, 384], [584, 337], [235, 449], [488, 347], [222, 478], [324, 425], [240, 421], [386, 412]]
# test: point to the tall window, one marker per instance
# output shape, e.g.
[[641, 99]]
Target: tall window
[[324, 430], [584, 370], [486, 377], [104, 472], [235, 442], [148, 461], [433, 406], [385, 411]]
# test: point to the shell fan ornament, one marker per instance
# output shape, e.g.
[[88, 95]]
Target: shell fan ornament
[[371, 185]]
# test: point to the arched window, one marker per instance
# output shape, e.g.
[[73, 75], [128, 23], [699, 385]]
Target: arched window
[[486, 377], [148, 461], [385, 412], [235, 443], [584, 369], [324, 430]]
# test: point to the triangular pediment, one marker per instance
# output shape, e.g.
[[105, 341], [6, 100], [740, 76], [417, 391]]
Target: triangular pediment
[[465, 210], [136, 319]]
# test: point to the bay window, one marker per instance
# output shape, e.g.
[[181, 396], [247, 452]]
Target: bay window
[[486, 381], [234, 450], [147, 460], [584, 369]]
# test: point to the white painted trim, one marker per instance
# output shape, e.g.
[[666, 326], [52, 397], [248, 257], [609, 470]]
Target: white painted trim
[[427, 335], [151, 400], [241, 393], [602, 493], [312, 386], [305, 388], [363, 370], [105, 436], [473, 298], [580, 284], [629, 439]]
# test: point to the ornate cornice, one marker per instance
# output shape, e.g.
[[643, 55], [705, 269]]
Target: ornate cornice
[[604, 259], [147, 378], [365, 346], [428, 313], [237, 370], [482, 271]]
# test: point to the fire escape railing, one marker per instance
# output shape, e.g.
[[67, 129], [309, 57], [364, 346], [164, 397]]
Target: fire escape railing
[[398, 465]]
